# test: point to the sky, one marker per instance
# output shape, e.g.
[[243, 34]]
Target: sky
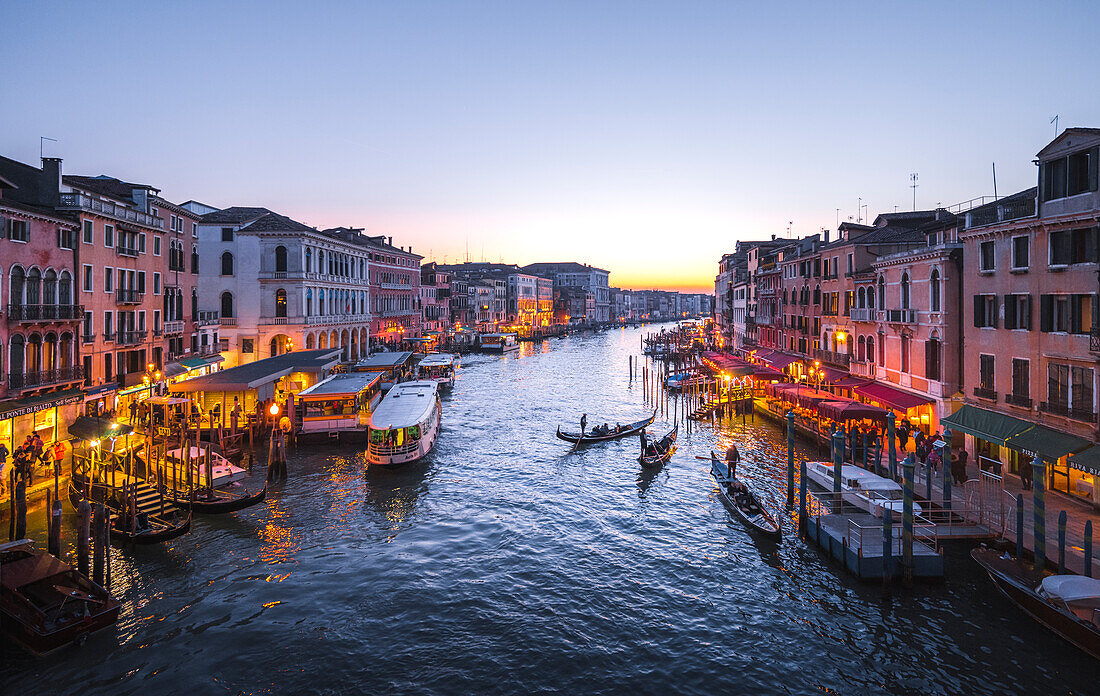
[[645, 138]]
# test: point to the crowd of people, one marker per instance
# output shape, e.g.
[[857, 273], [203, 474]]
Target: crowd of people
[[21, 463]]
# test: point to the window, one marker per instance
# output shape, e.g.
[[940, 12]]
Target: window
[[1017, 311], [89, 232], [1081, 382], [141, 281], [248, 345], [985, 311], [227, 304], [985, 373], [1021, 379], [986, 258], [88, 328], [934, 300], [280, 303], [107, 361], [141, 243], [156, 283], [108, 326], [227, 264], [870, 349], [1066, 313], [194, 259], [227, 234], [280, 259], [108, 235], [1069, 176], [881, 292], [1020, 249], [905, 291], [1072, 246], [156, 245], [87, 283], [932, 359], [108, 280], [851, 263], [905, 341], [65, 238], [17, 230]]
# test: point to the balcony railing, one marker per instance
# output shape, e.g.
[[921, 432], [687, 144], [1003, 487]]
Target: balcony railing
[[985, 393], [87, 338], [833, 357], [45, 312], [863, 314], [1017, 400], [126, 251], [44, 378], [129, 296], [173, 327], [899, 316], [1082, 414], [129, 338], [78, 201], [1011, 210], [207, 318], [227, 321], [864, 369], [1094, 340]]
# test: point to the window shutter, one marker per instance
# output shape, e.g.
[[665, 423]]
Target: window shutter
[[1075, 314], [1046, 313], [1094, 168], [1010, 312], [978, 311], [996, 312], [1026, 318]]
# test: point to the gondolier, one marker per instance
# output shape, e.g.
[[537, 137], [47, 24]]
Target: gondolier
[[584, 422], [733, 458]]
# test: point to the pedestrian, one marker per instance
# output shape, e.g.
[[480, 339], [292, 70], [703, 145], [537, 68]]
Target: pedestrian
[[918, 445], [133, 412], [958, 467], [1025, 475], [903, 436], [584, 422], [58, 456], [3, 466]]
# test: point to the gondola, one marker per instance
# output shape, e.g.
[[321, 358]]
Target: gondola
[[46, 604], [656, 453], [151, 528], [742, 502], [216, 502], [613, 434], [1068, 605]]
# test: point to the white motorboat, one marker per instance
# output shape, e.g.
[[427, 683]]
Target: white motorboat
[[404, 426], [224, 471], [861, 488], [439, 368], [498, 342]]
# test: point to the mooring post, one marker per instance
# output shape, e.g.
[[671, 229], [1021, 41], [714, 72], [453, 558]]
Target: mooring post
[[54, 517], [890, 420], [866, 454], [790, 459], [887, 545], [838, 467], [802, 496], [927, 481], [1019, 526], [1088, 548], [1062, 542], [83, 534], [907, 518], [945, 462], [97, 547], [20, 495], [1039, 505]]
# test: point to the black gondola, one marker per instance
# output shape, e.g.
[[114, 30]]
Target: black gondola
[[217, 502], [742, 502], [149, 527], [657, 452], [612, 434]]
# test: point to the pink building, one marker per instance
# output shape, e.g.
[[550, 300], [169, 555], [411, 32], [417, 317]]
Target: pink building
[[394, 291]]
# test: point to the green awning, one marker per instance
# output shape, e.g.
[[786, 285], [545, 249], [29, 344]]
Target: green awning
[[1048, 443], [193, 363], [987, 425], [39, 402], [1088, 461], [91, 428]]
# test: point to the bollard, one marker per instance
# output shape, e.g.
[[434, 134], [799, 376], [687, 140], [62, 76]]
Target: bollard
[[838, 468], [866, 454], [97, 547], [83, 523], [802, 496], [890, 419], [1038, 502], [1020, 526], [53, 517], [1062, 542], [945, 462], [1088, 548], [907, 518], [887, 545], [20, 495], [790, 459]]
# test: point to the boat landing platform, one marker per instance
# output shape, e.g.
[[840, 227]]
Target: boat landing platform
[[856, 540]]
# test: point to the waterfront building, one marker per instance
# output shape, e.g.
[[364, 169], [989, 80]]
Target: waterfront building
[[395, 289], [462, 314], [1031, 342], [592, 280], [279, 285], [435, 298]]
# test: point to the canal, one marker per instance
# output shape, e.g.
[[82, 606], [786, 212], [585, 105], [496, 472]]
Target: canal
[[506, 564]]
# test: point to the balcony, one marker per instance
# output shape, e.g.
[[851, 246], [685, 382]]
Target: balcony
[[1094, 340], [130, 338], [898, 316], [88, 338], [45, 378], [45, 312], [79, 201], [833, 357], [985, 393], [1017, 400], [227, 321], [129, 296], [172, 328], [1002, 212], [1081, 414], [126, 251], [863, 314], [864, 369], [207, 317], [108, 335]]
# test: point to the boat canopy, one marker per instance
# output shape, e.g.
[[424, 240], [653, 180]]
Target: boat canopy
[[1071, 588], [407, 404], [340, 384], [384, 361], [438, 360]]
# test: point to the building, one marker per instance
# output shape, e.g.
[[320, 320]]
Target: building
[[395, 290], [594, 281], [435, 298]]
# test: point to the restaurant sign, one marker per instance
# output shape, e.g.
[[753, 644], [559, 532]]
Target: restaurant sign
[[27, 409]]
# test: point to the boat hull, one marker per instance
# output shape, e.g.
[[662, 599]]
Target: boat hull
[[220, 504], [164, 530], [630, 429]]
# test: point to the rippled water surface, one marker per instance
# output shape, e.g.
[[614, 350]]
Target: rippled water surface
[[506, 564]]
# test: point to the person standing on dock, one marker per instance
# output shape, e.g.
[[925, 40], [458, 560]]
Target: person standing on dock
[[584, 422], [733, 458]]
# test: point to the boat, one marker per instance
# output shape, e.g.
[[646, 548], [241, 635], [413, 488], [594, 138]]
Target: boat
[[223, 471], [498, 343], [47, 604], [150, 527], [612, 434], [861, 488], [742, 502], [683, 380], [656, 453], [405, 425], [438, 367], [338, 405], [395, 367], [1068, 605]]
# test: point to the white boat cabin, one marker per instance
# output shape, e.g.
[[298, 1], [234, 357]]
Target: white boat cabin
[[394, 367], [438, 367], [341, 403], [498, 342], [404, 426]]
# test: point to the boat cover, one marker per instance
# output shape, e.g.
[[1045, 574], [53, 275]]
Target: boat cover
[[1070, 588]]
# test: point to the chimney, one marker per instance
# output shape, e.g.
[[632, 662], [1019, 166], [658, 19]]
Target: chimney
[[391, 241], [773, 237], [49, 186], [826, 236]]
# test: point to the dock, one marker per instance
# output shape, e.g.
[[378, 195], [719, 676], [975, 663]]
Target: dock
[[856, 540]]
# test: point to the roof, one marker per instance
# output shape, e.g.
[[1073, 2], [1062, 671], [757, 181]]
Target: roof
[[1069, 132], [273, 222], [561, 267], [437, 360], [384, 361], [235, 215], [891, 396], [106, 186], [344, 383], [407, 404], [254, 374], [92, 428]]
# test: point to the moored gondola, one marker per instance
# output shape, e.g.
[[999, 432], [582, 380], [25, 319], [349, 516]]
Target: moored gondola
[[595, 435], [218, 501], [657, 452], [148, 526], [742, 502]]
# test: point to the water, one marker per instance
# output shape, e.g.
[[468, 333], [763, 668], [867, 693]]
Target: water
[[506, 565]]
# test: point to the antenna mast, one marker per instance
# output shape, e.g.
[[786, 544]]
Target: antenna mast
[[1055, 122], [913, 178]]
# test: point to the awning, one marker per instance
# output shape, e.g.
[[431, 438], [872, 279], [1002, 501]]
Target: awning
[[100, 391], [131, 390], [779, 360], [174, 369], [850, 381], [1048, 443], [832, 375], [39, 402], [987, 425], [193, 363], [91, 428], [1088, 460], [213, 359], [851, 410], [892, 397]]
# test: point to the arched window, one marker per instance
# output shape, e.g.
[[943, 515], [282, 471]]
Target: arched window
[[817, 294], [870, 349], [49, 287], [320, 261], [881, 292], [861, 300], [17, 354], [321, 302], [194, 258], [905, 291], [309, 260], [65, 351], [871, 297], [280, 303], [18, 285], [34, 287], [65, 289], [309, 302], [227, 264], [227, 304], [179, 306], [932, 359], [934, 304], [280, 259], [194, 304], [49, 352]]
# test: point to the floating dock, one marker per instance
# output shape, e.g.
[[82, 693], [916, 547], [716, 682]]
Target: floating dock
[[856, 540]]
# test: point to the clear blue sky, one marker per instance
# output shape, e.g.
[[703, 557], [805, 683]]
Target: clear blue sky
[[642, 137]]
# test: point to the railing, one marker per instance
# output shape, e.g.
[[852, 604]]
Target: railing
[[1081, 414], [87, 338], [126, 251], [833, 357], [899, 316], [864, 369], [227, 321], [1094, 340], [863, 314], [1002, 212], [173, 327], [129, 338], [29, 380], [985, 393], [129, 296], [207, 318], [79, 201], [1016, 400], [45, 312]]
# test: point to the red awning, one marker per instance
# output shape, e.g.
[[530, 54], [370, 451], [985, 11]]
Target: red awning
[[832, 375], [891, 396], [850, 410], [779, 360], [850, 381]]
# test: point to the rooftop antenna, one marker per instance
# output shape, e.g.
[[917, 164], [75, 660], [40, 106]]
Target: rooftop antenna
[[789, 223], [838, 218], [42, 145], [913, 178], [994, 181], [865, 215], [1055, 122], [859, 207]]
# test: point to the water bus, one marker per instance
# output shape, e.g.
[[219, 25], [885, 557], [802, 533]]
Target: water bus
[[861, 488], [394, 367], [341, 404], [438, 367], [498, 342], [404, 426]]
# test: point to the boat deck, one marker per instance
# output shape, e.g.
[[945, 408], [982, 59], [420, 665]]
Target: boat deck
[[856, 540]]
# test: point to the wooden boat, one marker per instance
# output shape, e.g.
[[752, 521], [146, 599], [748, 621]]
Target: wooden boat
[[612, 434], [1068, 605], [216, 502], [150, 527], [656, 453], [742, 502], [47, 604]]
